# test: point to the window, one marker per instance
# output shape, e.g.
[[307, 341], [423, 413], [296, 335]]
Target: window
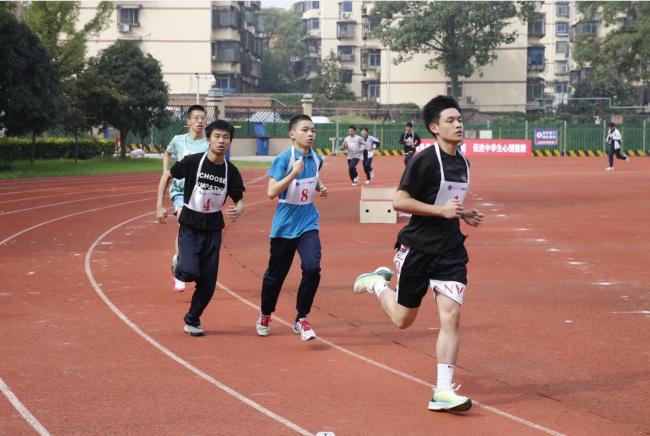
[[227, 51], [311, 25], [129, 15], [459, 90], [370, 58], [562, 87], [346, 53], [346, 76], [346, 6], [313, 44], [562, 28], [368, 25], [588, 27], [224, 18], [370, 90], [345, 30], [534, 89], [537, 25], [223, 81], [562, 9], [535, 58], [561, 67], [562, 47]]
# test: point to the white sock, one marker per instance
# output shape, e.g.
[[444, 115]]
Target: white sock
[[445, 377], [379, 287]]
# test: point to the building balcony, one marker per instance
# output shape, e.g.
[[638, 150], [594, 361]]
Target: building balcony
[[346, 57]]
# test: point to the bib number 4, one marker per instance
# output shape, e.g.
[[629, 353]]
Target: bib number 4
[[206, 205]]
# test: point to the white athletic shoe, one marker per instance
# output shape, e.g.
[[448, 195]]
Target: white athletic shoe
[[366, 282], [193, 330], [367, 182], [303, 327], [263, 324], [449, 401], [609, 169]]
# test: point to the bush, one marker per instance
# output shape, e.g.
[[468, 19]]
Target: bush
[[12, 149]]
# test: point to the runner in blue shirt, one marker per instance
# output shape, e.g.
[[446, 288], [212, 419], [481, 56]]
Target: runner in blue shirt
[[294, 178]]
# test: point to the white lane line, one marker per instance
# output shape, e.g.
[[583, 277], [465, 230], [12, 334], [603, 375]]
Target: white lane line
[[255, 307], [20, 407], [402, 374], [122, 194], [258, 179], [169, 353], [15, 235]]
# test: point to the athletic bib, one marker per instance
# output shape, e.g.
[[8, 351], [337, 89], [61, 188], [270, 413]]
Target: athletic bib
[[301, 191], [207, 200], [449, 190]]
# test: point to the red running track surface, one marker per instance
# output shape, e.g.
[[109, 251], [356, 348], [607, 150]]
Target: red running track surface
[[555, 326]]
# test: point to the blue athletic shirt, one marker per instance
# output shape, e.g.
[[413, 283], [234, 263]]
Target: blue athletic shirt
[[290, 220]]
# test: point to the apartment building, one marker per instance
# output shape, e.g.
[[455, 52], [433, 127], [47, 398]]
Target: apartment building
[[528, 74], [198, 43]]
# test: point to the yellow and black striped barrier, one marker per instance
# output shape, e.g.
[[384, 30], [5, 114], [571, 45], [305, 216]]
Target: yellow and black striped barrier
[[587, 153]]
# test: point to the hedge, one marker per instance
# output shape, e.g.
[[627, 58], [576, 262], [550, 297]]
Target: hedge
[[12, 149]]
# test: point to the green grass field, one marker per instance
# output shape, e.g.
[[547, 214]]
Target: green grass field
[[63, 167]]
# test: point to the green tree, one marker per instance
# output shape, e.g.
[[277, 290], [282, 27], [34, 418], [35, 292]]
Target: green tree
[[55, 23], [29, 85], [328, 84], [135, 95], [460, 36], [282, 30], [620, 54]]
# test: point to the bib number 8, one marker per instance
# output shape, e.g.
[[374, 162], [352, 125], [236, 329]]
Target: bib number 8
[[304, 195]]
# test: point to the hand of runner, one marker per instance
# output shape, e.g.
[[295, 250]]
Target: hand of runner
[[161, 214], [233, 213], [298, 166], [452, 209], [473, 217], [323, 191]]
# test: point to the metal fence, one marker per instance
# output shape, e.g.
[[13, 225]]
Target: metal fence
[[274, 122]]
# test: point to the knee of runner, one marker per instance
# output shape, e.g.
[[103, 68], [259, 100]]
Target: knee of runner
[[311, 269]]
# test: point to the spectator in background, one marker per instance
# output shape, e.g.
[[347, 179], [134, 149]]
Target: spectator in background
[[615, 141], [409, 141]]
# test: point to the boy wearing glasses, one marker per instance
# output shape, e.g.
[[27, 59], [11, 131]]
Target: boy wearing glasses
[[192, 142]]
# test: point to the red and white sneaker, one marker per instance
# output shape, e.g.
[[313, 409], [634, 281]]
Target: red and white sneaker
[[303, 327], [263, 325]]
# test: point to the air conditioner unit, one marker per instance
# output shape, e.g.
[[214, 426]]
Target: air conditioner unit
[[470, 99], [345, 15], [123, 27]]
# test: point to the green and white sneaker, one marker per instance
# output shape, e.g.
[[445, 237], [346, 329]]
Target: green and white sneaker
[[449, 401], [366, 282], [385, 272]]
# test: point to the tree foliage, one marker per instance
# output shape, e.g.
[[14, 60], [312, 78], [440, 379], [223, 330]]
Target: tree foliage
[[134, 96], [459, 36], [55, 23], [328, 84], [29, 88], [621, 58], [283, 31]]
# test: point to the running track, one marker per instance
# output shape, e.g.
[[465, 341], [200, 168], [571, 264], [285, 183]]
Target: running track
[[555, 328]]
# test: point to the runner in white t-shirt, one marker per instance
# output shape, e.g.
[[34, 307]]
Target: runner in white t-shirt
[[354, 144]]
